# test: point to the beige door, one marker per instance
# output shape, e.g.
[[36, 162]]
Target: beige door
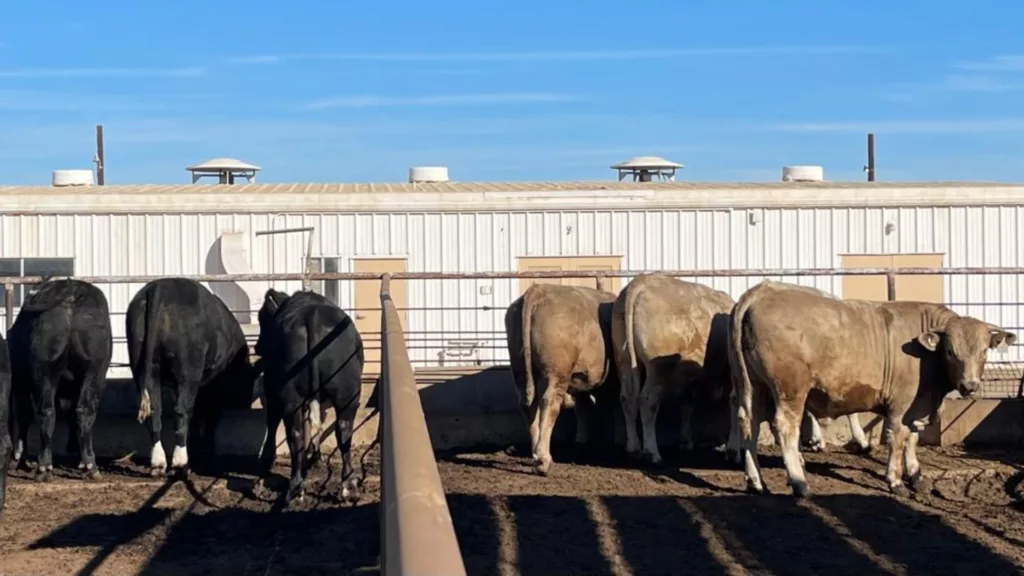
[[542, 264], [366, 301], [597, 263], [918, 287], [908, 287], [578, 263]]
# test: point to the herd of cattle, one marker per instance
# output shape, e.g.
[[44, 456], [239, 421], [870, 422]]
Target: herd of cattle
[[183, 338], [779, 354]]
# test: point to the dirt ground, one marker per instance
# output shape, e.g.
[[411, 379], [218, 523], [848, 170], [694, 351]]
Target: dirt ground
[[594, 516]]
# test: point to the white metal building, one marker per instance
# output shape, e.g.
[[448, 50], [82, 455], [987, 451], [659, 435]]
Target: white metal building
[[495, 226]]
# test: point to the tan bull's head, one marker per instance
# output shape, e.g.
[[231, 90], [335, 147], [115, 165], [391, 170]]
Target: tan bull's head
[[964, 343]]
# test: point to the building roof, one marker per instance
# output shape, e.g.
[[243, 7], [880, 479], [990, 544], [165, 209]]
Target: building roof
[[503, 196], [460, 187]]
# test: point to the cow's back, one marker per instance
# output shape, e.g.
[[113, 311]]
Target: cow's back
[[673, 318], [307, 318], [187, 317], [62, 319], [565, 333]]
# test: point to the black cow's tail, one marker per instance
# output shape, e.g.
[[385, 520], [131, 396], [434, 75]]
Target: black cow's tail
[[312, 416], [145, 369]]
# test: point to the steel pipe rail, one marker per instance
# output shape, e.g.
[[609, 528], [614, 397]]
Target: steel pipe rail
[[713, 273], [417, 534]]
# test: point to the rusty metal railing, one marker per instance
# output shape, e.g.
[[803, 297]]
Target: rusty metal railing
[[417, 534]]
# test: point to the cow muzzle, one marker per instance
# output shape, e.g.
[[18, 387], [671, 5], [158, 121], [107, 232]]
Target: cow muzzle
[[969, 387]]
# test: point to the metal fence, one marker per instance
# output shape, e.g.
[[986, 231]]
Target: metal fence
[[471, 332], [417, 534]]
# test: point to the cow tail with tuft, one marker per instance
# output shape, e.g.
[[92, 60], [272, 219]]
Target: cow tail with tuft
[[313, 410], [528, 305], [742, 387], [632, 294], [145, 383]]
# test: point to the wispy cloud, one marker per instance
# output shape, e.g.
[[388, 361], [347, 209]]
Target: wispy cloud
[[48, 101], [190, 72], [1012, 63], [31, 138], [908, 126], [555, 56], [372, 101], [978, 83]]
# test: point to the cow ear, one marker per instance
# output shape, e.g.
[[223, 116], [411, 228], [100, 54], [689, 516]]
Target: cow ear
[[930, 341], [271, 300], [1001, 339]]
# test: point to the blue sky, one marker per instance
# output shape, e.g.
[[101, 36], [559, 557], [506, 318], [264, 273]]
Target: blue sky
[[528, 90]]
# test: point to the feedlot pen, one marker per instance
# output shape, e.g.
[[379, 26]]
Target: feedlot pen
[[593, 515]]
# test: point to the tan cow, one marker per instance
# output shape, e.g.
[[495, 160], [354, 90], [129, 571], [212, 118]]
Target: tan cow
[[672, 334], [796, 347], [559, 354]]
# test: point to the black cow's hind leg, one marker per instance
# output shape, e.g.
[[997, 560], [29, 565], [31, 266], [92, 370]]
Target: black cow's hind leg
[[85, 416], [157, 456], [294, 428], [182, 415], [47, 420], [350, 481], [23, 415]]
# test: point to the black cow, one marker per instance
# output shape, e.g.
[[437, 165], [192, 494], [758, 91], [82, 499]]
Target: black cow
[[311, 354], [60, 348], [182, 336], [6, 419]]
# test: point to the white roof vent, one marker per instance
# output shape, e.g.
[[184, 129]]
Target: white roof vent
[[647, 168], [803, 174], [428, 174], [225, 170], [63, 178]]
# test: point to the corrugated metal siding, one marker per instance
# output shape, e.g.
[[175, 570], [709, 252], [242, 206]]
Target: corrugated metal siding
[[669, 239]]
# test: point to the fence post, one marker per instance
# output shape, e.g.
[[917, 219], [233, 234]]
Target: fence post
[[890, 286], [9, 304], [600, 282]]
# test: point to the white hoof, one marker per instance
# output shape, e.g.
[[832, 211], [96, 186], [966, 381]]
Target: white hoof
[[179, 459], [157, 457]]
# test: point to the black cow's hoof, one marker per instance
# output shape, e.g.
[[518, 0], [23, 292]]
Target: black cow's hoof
[[156, 472], [350, 492], [295, 500]]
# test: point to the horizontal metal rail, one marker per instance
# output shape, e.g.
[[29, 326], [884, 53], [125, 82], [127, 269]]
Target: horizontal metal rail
[[417, 534], [713, 273]]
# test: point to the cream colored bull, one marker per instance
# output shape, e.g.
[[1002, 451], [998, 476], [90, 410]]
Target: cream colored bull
[[675, 334], [558, 353], [794, 347]]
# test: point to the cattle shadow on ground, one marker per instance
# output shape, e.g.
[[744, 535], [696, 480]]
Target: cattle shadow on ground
[[228, 540], [710, 535]]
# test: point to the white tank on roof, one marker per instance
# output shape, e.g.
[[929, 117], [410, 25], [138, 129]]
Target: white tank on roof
[[428, 174], [803, 174], [72, 178]]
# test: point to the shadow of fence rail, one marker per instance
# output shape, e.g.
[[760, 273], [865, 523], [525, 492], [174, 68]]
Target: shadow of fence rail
[[564, 535]]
